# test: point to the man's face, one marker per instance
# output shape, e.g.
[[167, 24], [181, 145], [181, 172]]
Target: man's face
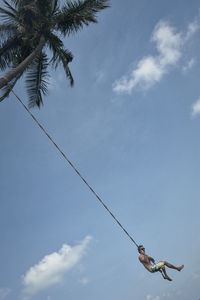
[[142, 249]]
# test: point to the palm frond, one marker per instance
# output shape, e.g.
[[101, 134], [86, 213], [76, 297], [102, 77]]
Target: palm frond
[[74, 15], [21, 54], [55, 44], [65, 57], [28, 14], [68, 73], [54, 7], [8, 50], [60, 55], [10, 7], [44, 7], [8, 15], [20, 3], [36, 80], [7, 30], [15, 2]]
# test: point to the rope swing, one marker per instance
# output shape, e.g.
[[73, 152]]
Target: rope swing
[[75, 169]]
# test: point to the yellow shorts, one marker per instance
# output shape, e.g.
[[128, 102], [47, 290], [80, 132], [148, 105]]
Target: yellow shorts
[[157, 266]]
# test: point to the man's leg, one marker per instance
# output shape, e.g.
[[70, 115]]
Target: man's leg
[[173, 267], [161, 272], [165, 274]]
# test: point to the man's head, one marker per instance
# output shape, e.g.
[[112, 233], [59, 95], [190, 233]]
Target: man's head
[[141, 249]]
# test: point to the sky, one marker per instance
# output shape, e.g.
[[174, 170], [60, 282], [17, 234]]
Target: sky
[[131, 126]]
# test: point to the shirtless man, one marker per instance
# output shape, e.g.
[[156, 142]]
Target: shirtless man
[[149, 263]]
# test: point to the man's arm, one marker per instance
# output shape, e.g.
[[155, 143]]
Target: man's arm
[[140, 259], [152, 259]]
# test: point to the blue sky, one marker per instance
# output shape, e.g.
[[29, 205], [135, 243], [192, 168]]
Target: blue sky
[[131, 126]]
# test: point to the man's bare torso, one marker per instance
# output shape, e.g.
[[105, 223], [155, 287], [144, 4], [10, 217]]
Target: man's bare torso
[[145, 260]]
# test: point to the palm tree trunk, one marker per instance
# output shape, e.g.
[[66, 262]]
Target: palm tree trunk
[[23, 65]]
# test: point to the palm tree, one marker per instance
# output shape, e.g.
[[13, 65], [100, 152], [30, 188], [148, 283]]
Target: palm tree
[[29, 29]]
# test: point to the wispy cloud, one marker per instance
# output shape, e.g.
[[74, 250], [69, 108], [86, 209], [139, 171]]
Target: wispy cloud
[[189, 64], [150, 297], [165, 295], [100, 76], [52, 268], [193, 27], [4, 293], [196, 108], [84, 281], [150, 69]]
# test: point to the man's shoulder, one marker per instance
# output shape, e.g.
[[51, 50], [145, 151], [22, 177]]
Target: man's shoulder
[[140, 257]]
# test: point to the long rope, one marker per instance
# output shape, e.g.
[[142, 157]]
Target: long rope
[[71, 164]]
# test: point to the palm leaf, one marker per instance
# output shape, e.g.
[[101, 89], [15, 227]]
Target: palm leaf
[[65, 57], [54, 7], [29, 14], [7, 30], [60, 55], [74, 15], [8, 16], [20, 56], [55, 44], [20, 3], [10, 7], [8, 50], [44, 7], [68, 73], [36, 80]]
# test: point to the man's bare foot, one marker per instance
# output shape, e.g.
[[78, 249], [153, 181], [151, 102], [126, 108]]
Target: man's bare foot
[[180, 268], [168, 278]]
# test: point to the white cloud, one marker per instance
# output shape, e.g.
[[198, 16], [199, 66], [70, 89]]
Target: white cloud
[[147, 73], [189, 65], [4, 293], [192, 29], [52, 268], [150, 69], [196, 108], [168, 43], [150, 297]]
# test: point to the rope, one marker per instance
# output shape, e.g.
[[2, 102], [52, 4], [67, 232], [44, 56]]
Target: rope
[[71, 164]]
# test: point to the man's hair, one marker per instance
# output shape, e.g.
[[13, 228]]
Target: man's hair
[[139, 248]]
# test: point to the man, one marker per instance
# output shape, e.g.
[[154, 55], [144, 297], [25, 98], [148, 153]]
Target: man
[[149, 263]]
